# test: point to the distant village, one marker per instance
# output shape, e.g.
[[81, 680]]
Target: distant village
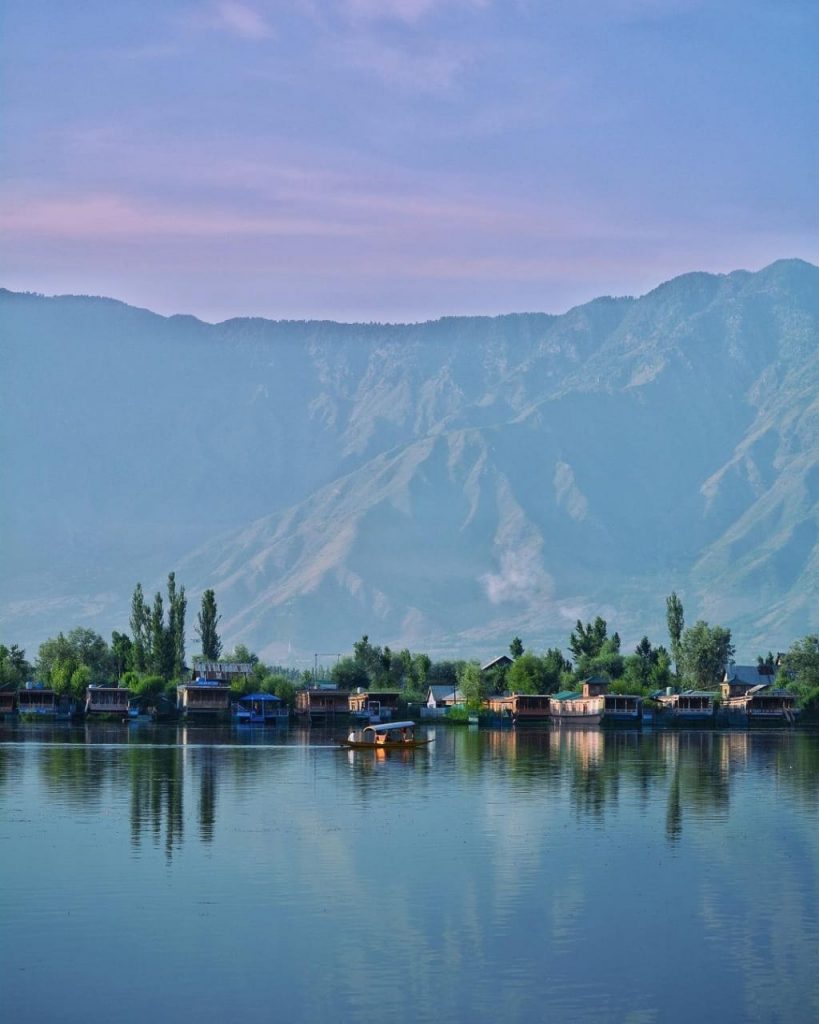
[[143, 675]]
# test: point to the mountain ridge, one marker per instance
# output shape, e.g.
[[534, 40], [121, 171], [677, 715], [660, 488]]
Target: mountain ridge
[[599, 457]]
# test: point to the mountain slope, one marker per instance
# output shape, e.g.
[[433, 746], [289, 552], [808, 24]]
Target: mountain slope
[[444, 485]]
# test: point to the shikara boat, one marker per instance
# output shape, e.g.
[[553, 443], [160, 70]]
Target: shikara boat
[[385, 736]]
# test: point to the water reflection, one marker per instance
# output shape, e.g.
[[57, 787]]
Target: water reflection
[[690, 773], [157, 796], [510, 875]]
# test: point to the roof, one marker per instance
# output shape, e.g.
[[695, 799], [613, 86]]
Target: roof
[[502, 659], [567, 695], [439, 690], [747, 675], [389, 726], [260, 696]]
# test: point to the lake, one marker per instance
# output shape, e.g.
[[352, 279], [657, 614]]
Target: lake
[[218, 874]]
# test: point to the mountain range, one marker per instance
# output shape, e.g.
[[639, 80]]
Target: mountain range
[[443, 485]]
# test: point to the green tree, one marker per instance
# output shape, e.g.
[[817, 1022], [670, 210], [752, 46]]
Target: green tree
[[243, 655], [122, 651], [14, 669], [349, 674], [162, 642], [207, 622], [516, 647], [471, 683], [705, 653], [800, 671], [528, 674], [140, 624], [177, 607], [766, 664], [675, 617], [587, 641]]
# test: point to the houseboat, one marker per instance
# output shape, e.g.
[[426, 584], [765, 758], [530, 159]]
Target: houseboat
[[36, 702], [107, 700], [373, 707], [761, 705], [594, 705], [206, 697], [321, 702], [8, 703], [519, 707], [261, 709], [688, 707]]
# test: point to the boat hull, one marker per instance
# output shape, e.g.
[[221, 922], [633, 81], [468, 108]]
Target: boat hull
[[397, 745]]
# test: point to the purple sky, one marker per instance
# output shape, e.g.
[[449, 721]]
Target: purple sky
[[401, 159]]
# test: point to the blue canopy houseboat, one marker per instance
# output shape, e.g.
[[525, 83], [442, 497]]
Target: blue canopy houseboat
[[260, 709]]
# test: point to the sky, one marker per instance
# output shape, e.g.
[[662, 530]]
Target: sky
[[401, 159]]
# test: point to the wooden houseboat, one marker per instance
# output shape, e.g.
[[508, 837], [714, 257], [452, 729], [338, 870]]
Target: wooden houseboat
[[8, 703], [107, 700], [207, 697], [687, 707], [36, 701], [320, 703], [520, 707], [761, 705], [594, 705], [373, 707], [261, 709]]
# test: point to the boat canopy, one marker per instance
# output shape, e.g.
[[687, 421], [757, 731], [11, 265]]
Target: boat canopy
[[389, 726], [260, 696]]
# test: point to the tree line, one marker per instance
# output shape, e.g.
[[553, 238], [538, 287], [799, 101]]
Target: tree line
[[150, 659]]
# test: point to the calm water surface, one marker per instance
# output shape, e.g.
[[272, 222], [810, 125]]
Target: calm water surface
[[207, 875]]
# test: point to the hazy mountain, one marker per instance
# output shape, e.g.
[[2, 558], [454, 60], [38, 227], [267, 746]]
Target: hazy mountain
[[442, 485]]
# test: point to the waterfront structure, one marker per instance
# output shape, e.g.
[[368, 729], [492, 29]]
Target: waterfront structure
[[209, 697], [762, 704], [8, 703], [261, 709], [373, 706], [320, 702], [107, 700], [594, 705], [520, 707], [440, 698], [688, 706], [738, 680], [36, 701]]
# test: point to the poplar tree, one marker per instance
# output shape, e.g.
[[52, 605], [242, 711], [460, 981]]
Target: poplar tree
[[206, 627], [177, 605], [140, 622], [676, 622]]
